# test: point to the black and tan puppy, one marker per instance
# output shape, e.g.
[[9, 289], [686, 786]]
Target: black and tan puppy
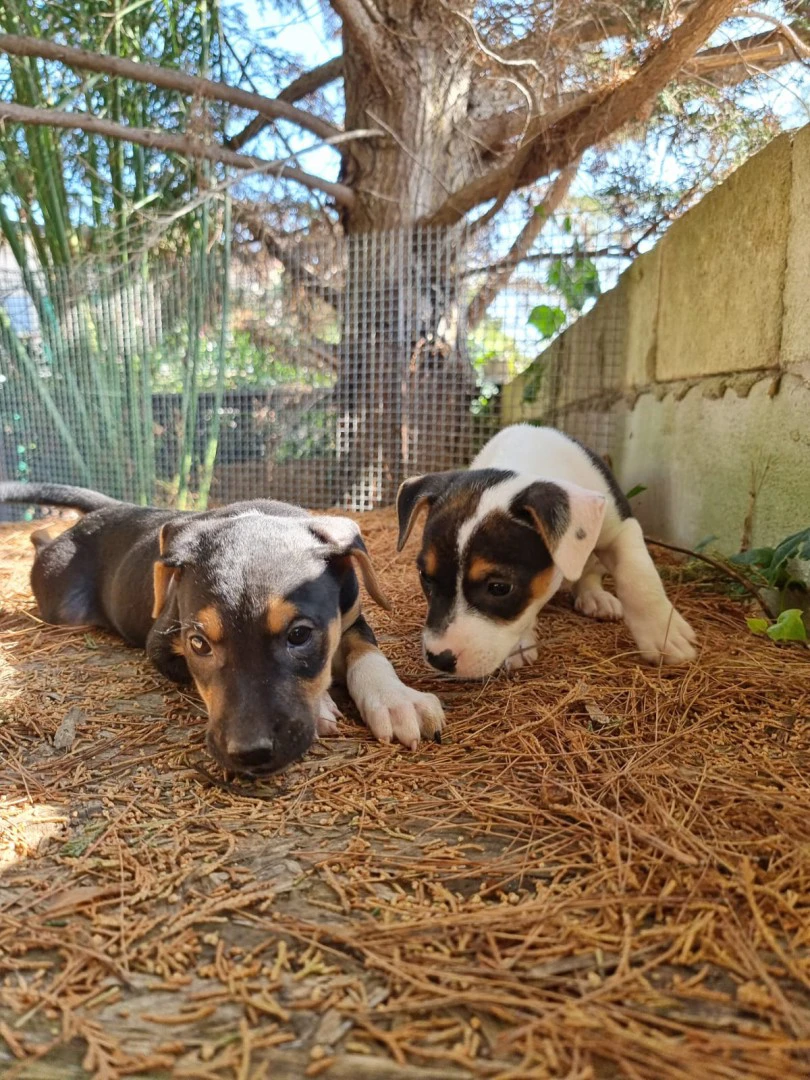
[[257, 602]]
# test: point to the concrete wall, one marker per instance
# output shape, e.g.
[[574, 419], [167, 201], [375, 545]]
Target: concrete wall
[[701, 357]]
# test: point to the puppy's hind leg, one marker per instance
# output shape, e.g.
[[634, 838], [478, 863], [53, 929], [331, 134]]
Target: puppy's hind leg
[[390, 709], [660, 632], [41, 538], [590, 598], [63, 580]]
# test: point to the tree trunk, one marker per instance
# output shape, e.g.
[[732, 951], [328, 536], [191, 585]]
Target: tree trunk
[[405, 386]]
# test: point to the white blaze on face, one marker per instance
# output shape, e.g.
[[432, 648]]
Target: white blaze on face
[[479, 644]]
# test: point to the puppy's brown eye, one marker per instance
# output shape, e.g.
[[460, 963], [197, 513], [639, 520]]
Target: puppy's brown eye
[[427, 581], [299, 635], [499, 588], [199, 645]]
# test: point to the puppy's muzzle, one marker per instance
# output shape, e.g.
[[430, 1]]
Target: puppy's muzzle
[[443, 661]]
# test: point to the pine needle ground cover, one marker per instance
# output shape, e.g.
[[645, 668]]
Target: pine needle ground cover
[[603, 872]]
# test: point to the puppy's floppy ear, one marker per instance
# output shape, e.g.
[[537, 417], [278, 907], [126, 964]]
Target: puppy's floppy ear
[[569, 519], [163, 580], [168, 567], [415, 494], [343, 540]]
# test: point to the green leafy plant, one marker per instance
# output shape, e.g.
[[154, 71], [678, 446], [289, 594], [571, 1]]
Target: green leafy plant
[[547, 320], [637, 490], [781, 575], [576, 277], [783, 569], [788, 627]]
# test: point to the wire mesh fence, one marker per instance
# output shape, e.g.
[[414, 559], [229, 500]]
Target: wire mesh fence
[[324, 375]]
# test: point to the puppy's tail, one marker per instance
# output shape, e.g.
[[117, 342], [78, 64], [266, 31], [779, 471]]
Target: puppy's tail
[[77, 498]]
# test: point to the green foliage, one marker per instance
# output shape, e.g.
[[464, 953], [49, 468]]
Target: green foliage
[[70, 194], [576, 277], [788, 627], [547, 320], [491, 348], [637, 490], [780, 566], [533, 382], [782, 574], [313, 437], [246, 364]]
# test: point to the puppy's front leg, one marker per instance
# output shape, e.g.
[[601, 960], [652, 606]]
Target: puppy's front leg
[[389, 708], [590, 598], [660, 633], [326, 722]]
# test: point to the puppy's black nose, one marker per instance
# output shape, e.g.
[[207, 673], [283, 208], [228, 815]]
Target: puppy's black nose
[[256, 756], [444, 661]]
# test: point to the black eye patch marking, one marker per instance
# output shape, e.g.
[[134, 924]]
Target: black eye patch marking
[[507, 568]]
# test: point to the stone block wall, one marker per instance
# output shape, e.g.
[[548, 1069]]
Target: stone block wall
[[705, 373]]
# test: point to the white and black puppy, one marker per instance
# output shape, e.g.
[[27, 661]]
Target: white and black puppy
[[535, 509]]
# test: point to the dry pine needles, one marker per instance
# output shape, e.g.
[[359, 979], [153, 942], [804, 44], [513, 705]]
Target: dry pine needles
[[603, 872]]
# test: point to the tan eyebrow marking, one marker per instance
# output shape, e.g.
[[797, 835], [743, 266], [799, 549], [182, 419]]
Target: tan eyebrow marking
[[322, 680], [480, 568], [211, 622], [431, 561], [541, 582], [280, 613]]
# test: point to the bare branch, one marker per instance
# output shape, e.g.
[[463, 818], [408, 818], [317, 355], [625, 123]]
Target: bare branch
[[286, 254], [175, 144], [305, 84], [362, 20], [725, 65], [549, 147], [590, 26], [761, 52], [500, 274], [313, 80], [167, 79]]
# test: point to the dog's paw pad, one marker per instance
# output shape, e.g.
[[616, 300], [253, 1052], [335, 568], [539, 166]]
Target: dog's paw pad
[[326, 724], [400, 714], [525, 653], [598, 604]]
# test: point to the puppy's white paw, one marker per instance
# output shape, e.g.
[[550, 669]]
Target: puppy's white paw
[[525, 653], [326, 724], [598, 604], [663, 635], [396, 713]]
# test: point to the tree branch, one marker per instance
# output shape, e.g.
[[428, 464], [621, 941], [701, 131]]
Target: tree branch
[[549, 147], [725, 65], [592, 27], [499, 276], [167, 79], [362, 20], [175, 144], [762, 52], [301, 87], [288, 257]]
